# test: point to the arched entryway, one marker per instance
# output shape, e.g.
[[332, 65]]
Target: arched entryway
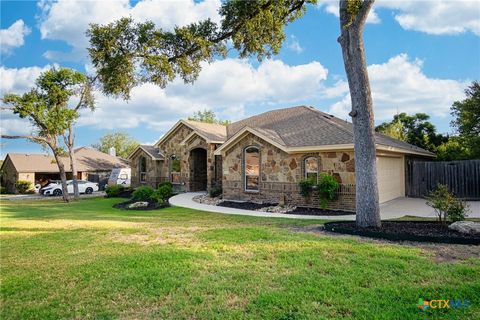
[[198, 169]]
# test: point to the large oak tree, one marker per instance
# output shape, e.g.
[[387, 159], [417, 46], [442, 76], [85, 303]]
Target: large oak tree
[[126, 53]]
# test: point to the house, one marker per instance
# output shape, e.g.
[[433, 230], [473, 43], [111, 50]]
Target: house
[[262, 158], [92, 165]]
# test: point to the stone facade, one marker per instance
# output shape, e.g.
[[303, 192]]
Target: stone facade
[[154, 170], [187, 154], [280, 173]]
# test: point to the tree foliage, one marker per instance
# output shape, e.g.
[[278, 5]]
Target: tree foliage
[[207, 116], [123, 143], [467, 119], [126, 53], [414, 129], [46, 107]]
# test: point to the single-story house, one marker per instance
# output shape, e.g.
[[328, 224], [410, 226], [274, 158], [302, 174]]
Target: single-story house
[[263, 158], [92, 165]]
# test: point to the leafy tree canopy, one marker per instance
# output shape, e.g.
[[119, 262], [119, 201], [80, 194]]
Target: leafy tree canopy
[[467, 120], [123, 143], [127, 53], [414, 129], [207, 116]]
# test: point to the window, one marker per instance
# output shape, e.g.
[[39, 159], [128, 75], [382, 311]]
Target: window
[[252, 168], [143, 169], [311, 168], [175, 170]]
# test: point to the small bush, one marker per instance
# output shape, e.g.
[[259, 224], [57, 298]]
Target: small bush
[[165, 183], [162, 194], [113, 191], [3, 190], [24, 187], [326, 189], [446, 205], [306, 187], [215, 191], [143, 193]]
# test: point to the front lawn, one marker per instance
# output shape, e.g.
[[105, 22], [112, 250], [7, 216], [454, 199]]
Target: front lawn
[[88, 260]]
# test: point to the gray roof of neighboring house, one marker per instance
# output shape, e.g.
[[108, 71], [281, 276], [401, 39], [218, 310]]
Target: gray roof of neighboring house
[[87, 159], [304, 126], [153, 151]]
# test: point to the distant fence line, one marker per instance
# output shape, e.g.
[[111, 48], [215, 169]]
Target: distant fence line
[[462, 177]]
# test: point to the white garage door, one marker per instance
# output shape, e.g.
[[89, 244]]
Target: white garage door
[[391, 177]]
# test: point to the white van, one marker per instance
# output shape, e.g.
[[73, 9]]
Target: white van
[[120, 176]]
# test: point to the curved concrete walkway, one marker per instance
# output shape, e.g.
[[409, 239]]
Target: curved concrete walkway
[[389, 210]]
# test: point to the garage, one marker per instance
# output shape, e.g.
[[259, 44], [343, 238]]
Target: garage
[[391, 177]]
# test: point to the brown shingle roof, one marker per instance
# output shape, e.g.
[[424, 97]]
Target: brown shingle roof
[[87, 160], [304, 126], [211, 131]]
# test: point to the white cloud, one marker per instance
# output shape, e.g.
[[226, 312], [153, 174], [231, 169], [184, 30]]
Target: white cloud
[[226, 86], [13, 36], [400, 85], [19, 80], [294, 45], [429, 16], [68, 20], [436, 16]]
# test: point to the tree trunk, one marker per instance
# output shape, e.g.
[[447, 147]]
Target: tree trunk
[[367, 203], [63, 175], [73, 165]]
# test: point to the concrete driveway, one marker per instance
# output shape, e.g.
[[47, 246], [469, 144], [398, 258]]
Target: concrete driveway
[[390, 210]]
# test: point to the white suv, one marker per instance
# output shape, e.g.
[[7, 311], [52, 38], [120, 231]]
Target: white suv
[[86, 187]]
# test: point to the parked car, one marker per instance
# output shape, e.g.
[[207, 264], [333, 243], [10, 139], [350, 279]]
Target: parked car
[[48, 185], [55, 189]]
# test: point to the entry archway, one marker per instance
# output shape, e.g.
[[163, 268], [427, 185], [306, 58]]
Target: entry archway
[[198, 169]]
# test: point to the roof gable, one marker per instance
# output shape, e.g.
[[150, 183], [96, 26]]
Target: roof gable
[[211, 132]]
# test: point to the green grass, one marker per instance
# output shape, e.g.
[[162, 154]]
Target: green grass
[[87, 260]]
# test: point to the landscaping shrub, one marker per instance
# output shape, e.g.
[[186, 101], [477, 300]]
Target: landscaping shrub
[[446, 205], [162, 194], [113, 191], [165, 183], [306, 187], [215, 191], [3, 190], [326, 188], [143, 193], [24, 187]]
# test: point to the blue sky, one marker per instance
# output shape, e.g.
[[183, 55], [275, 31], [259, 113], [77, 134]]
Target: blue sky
[[421, 56]]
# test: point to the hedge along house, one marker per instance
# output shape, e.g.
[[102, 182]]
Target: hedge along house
[[183, 156], [265, 157]]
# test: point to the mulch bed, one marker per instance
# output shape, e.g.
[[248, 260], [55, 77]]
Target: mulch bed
[[299, 210], [421, 231], [319, 212], [152, 205], [245, 205]]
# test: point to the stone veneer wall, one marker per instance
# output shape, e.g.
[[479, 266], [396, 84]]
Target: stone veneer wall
[[280, 173], [154, 170], [173, 146]]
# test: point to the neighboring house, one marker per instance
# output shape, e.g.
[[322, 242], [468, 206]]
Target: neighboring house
[[262, 158], [92, 165]]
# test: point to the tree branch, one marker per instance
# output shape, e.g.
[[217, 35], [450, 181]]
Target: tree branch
[[36, 138], [362, 14], [230, 33]]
